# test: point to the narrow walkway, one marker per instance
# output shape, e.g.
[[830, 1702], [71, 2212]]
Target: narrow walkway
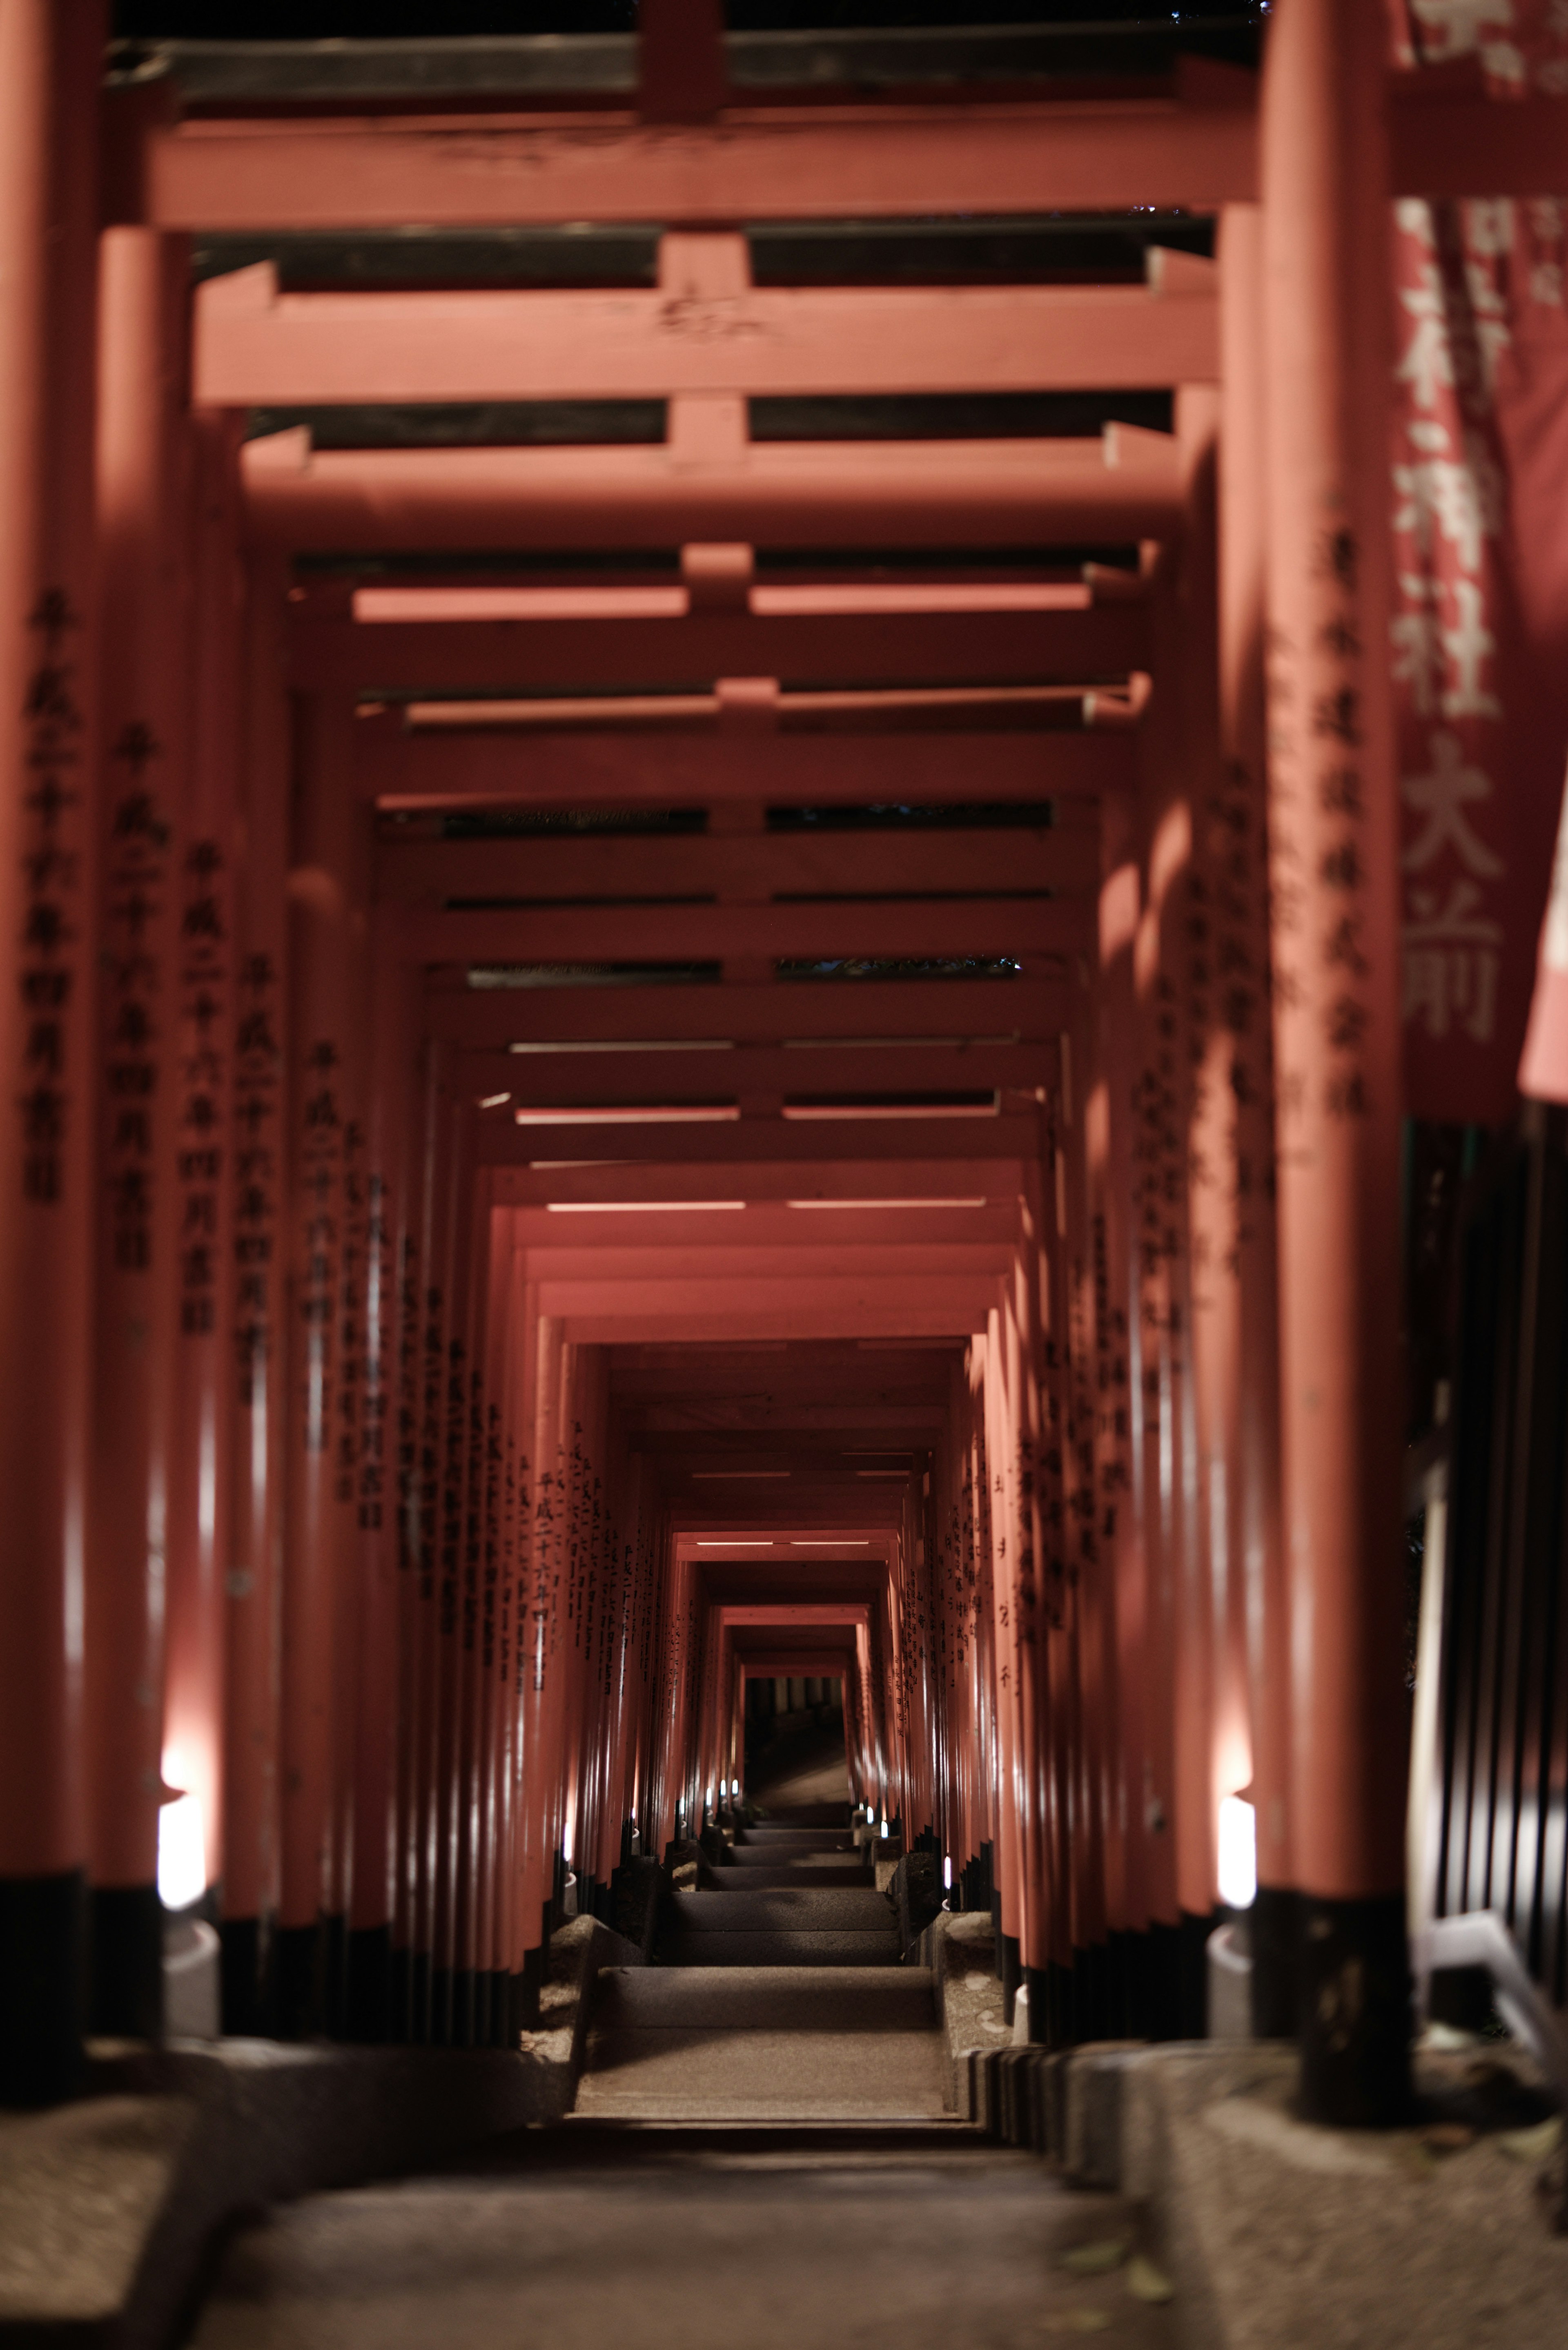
[[759, 2156], [778, 1992], [570, 2239]]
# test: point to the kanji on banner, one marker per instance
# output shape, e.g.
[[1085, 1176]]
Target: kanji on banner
[[1479, 478]]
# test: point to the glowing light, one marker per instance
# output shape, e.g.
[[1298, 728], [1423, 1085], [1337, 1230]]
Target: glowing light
[[1237, 1853], [182, 1852], [883, 1822], [947, 1868]]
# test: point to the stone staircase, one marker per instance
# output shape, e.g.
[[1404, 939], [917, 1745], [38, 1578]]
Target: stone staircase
[[777, 1994]]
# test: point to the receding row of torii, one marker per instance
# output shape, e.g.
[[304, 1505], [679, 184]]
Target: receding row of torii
[[171, 683]]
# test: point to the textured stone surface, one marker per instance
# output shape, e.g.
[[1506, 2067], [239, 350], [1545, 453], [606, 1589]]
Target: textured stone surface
[[786, 1910], [912, 2241], [80, 2192], [1284, 2235], [784, 1950]]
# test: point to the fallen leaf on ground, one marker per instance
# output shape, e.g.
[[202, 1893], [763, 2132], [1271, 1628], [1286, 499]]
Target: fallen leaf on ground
[[1448, 2137], [1537, 2145], [1098, 2259], [1078, 2321], [1146, 2282]]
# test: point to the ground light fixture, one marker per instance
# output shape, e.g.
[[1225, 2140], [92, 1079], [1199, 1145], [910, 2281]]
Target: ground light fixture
[[1237, 1853], [182, 1848]]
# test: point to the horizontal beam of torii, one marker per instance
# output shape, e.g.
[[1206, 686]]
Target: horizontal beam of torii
[[708, 482], [752, 866], [407, 768], [704, 330], [1105, 642], [914, 929], [537, 1177], [764, 1012], [485, 168], [778, 1072]]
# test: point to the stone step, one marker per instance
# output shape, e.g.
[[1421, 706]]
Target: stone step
[[757, 1880], [820, 1947], [761, 1839], [783, 1909], [764, 1998]]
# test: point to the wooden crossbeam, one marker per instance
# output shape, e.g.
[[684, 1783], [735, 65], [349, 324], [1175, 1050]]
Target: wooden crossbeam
[[914, 928], [788, 162], [742, 1142], [867, 649], [1125, 486], [524, 1180], [560, 1079], [749, 869], [479, 770], [801, 162], [891, 1262], [254, 347], [767, 1226], [489, 1019]]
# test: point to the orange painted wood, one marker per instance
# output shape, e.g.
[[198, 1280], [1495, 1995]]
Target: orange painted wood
[[913, 930], [748, 868], [488, 1019], [850, 162], [810, 1145], [888, 1070], [1333, 821], [142, 514], [1108, 491], [861, 1178], [49, 67], [1104, 642], [254, 347], [252, 1791]]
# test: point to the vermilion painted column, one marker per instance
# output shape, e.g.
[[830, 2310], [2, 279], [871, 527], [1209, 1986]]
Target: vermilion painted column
[[426, 1394], [258, 1356], [200, 1493], [454, 1261], [145, 634], [1334, 868], [1239, 859], [50, 66], [319, 1112], [381, 1555]]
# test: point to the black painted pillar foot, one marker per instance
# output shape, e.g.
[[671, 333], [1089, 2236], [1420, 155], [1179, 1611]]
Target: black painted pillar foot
[[127, 1995], [1355, 2013], [370, 2005], [301, 1982], [1275, 1923], [244, 1991], [1192, 1981], [43, 1983]]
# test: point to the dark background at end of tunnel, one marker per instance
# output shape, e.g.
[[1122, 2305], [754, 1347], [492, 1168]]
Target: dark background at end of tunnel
[[216, 20]]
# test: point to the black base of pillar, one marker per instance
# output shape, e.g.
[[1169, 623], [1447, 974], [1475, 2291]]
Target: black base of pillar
[[1462, 1997], [245, 1949], [1051, 2007], [528, 1986], [1355, 2014], [369, 2003], [443, 2012], [493, 2006], [1274, 1923], [419, 1998], [1091, 1993], [463, 2008], [1192, 1985], [335, 1963], [43, 1986], [126, 1999], [1009, 1967], [1164, 1982], [301, 1982], [402, 1967]]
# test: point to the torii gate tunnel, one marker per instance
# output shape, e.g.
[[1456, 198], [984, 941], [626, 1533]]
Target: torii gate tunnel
[[703, 879]]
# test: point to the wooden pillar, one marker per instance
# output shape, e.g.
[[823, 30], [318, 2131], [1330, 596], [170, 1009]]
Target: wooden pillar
[[145, 634], [382, 1556], [319, 1113], [259, 1332], [1235, 848], [50, 69], [1333, 867], [200, 1496]]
